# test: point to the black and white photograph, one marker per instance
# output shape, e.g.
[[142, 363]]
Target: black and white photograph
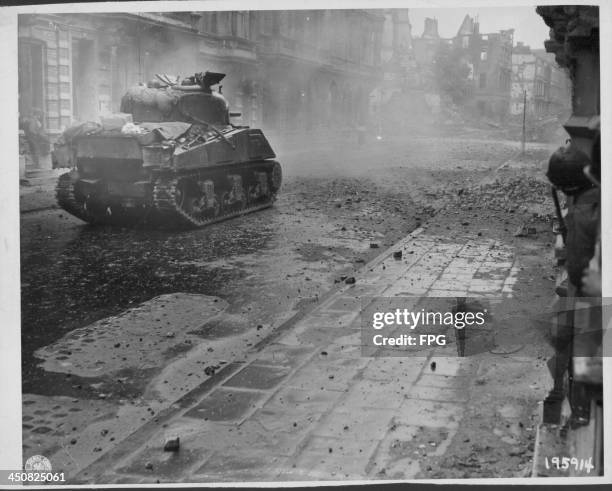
[[305, 242]]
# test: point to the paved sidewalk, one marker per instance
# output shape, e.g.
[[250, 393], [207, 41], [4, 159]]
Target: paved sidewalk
[[39, 192], [308, 406]]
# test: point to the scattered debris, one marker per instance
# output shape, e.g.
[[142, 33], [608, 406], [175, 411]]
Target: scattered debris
[[172, 444], [524, 231]]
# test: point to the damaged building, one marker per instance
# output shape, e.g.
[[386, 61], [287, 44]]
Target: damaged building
[[538, 79], [490, 58]]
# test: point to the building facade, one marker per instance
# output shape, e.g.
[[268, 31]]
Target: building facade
[[426, 45], [399, 102], [539, 83], [317, 68], [487, 57], [73, 67], [285, 70], [490, 59]]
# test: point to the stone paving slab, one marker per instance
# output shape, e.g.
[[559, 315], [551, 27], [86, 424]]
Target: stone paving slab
[[256, 376], [309, 406], [354, 427], [325, 459], [394, 458], [372, 394], [224, 405], [244, 465], [436, 414], [171, 465]]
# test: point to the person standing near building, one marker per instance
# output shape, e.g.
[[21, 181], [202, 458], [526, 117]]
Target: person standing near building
[[37, 139], [566, 172], [591, 277]]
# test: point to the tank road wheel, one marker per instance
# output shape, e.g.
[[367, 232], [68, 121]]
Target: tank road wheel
[[234, 198], [253, 195], [277, 177], [190, 199], [210, 200], [216, 209], [229, 204], [258, 188]]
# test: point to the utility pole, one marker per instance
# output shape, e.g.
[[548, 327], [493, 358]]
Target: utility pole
[[524, 112]]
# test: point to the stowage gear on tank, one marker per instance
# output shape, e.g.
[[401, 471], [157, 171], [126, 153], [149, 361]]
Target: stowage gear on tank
[[179, 162], [162, 100]]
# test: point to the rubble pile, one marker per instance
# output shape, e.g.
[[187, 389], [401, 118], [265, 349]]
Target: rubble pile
[[518, 194], [352, 195]]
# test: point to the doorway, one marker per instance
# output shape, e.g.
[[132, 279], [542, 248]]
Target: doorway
[[30, 74]]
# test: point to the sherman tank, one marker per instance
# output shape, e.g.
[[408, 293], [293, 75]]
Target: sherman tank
[[171, 158]]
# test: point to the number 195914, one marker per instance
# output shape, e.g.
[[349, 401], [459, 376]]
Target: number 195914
[[564, 463]]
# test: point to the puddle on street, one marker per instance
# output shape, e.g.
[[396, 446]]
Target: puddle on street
[[100, 271]]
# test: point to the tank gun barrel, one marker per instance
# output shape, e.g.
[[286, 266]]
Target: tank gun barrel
[[165, 79], [202, 81]]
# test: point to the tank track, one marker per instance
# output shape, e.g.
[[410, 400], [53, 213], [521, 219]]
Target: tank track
[[64, 193], [68, 200], [169, 211], [164, 211]]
